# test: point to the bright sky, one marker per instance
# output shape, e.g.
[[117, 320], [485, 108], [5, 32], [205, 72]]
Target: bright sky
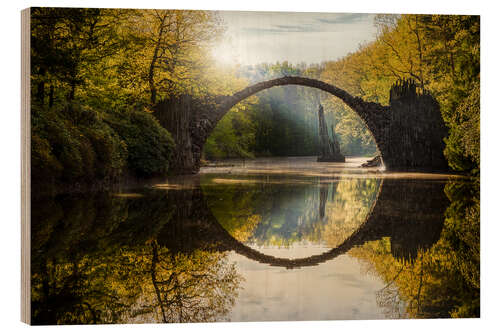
[[256, 37]]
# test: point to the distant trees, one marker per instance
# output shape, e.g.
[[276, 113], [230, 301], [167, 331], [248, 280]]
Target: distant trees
[[283, 121]]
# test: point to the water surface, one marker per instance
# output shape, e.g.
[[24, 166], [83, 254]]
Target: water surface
[[268, 239]]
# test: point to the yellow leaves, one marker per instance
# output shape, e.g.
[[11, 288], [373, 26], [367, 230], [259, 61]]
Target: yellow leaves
[[221, 80], [247, 228], [167, 50], [430, 285]]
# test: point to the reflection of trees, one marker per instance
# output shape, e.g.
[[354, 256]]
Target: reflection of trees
[[135, 286], [94, 260], [442, 280], [265, 211], [281, 211], [349, 208], [198, 288], [388, 299], [82, 290], [324, 190]]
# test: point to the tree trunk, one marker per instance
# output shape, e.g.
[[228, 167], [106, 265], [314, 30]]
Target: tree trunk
[[152, 65], [51, 96]]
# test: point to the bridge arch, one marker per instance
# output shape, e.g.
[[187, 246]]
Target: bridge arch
[[374, 115]]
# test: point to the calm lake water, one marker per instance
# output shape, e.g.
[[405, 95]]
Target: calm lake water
[[267, 239]]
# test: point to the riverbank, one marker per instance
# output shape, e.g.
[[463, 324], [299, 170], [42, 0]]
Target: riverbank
[[118, 184], [302, 166]]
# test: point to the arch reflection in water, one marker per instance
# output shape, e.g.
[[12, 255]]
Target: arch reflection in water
[[358, 210], [282, 211], [164, 254]]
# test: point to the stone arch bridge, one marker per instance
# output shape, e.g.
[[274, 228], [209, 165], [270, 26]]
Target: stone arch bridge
[[408, 133]]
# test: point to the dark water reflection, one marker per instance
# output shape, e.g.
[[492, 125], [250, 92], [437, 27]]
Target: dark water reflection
[[258, 247]]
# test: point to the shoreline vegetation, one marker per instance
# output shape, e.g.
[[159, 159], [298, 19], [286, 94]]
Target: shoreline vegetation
[[96, 74]]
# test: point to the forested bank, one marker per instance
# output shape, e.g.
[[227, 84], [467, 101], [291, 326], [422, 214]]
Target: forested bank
[[441, 53], [96, 75]]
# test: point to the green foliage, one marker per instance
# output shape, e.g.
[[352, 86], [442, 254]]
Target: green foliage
[[73, 144], [453, 62], [149, 145], [234, 136], [66, 43], [463, 144], [44, 165], [455, 153], [462, 230], [355, 138], [79, 144]]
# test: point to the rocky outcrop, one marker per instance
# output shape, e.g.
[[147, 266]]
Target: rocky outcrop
[[374, 162], [414, 135], [329, 147]]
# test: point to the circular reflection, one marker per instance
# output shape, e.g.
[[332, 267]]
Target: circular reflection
[[289, 216]]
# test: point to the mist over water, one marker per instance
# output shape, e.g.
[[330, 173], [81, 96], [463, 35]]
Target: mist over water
[[307, 166]]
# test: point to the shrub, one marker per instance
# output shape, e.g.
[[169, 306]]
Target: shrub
[[44, 165], [73, 144], [150, 146], [463, 144]]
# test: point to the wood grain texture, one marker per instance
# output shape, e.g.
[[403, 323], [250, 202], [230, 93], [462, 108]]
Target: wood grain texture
[[25, 169]]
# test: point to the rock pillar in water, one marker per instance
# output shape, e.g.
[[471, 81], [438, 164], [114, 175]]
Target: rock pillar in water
[[329, 148]]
